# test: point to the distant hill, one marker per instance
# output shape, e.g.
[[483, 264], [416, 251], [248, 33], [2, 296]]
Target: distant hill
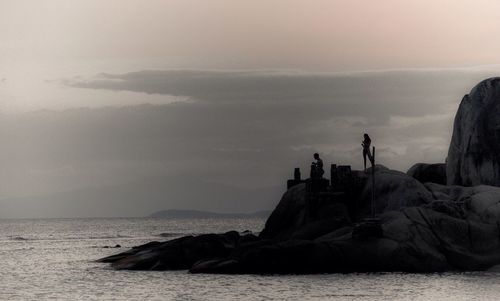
[[175, 213], [140, 198]]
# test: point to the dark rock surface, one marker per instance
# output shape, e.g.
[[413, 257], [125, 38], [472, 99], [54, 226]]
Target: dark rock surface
[[474, 153], [426, 228], [434, 173], [394, 190], [299, 214], [178, 254]]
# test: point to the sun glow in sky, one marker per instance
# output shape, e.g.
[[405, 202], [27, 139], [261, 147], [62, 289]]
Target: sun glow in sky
[[48, 40]]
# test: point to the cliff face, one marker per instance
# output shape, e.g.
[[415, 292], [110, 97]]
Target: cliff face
[[474, 153]]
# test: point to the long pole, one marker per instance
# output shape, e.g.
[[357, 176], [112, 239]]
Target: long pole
[[373, 182]]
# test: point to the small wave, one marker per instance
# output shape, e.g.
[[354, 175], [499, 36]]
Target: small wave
[[171, 234], [52, 238], [107, 247], [20, 238], [104, 237]]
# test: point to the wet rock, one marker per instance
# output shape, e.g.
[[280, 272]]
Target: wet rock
[[108, 247], [176, 254], [216, 266], [130, 252]]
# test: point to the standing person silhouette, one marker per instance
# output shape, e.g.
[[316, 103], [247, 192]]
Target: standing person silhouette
[[366, 148]]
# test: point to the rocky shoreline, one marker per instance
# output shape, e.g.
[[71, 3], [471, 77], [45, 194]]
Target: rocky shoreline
[[429, 221]]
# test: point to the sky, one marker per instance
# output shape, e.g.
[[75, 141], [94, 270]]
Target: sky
[[122, 108]]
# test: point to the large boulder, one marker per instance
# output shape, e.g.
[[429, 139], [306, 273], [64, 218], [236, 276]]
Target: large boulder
[[300, 215], [394, 190], [474, 153], [434, 173]]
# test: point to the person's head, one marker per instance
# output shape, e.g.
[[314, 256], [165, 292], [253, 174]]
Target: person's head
[[316, 156], [366, 136]]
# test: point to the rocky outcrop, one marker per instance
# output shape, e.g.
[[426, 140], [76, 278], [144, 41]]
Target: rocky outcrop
[[424, 226], [297, 215], [415, 240], [301, 215], [180, 253], [474, 153], [434, 173], [479, 203], [457, 230], [394, 190]]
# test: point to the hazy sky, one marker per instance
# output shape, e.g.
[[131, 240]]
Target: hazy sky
[[43, 41], [239, 93]]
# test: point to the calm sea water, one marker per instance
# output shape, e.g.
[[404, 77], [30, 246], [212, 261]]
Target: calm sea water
[[53, 259]]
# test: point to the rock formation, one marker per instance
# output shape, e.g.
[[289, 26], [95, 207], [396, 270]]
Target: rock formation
[[434, 173], [474, 153], [425, 226]]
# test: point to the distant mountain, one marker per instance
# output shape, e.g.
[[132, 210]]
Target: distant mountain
[[175, 213], [140, 198]]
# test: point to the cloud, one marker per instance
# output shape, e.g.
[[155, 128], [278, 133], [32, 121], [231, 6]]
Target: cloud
[[374, 95], [239, 128], [282, 111]]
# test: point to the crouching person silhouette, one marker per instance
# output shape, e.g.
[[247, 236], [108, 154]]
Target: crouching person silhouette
[[317, 167]]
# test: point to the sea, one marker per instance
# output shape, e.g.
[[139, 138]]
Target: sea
[[54, 259]]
